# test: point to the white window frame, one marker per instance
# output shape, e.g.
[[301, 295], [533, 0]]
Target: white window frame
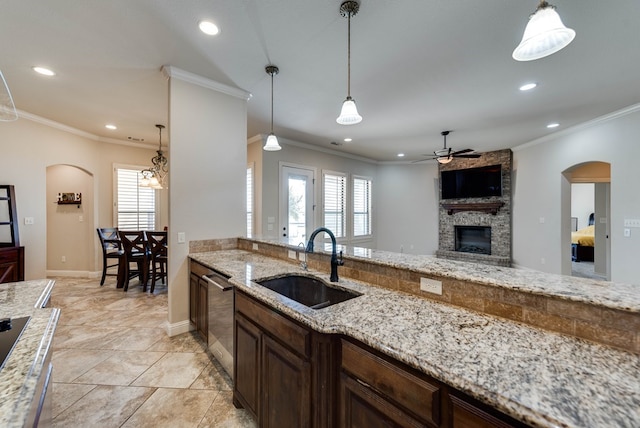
[[116, 211], [345, 208], [250, 200], [353, 207]]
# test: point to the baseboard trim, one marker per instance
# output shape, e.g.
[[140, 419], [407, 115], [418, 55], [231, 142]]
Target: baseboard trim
[[74, 273], [178, 328]]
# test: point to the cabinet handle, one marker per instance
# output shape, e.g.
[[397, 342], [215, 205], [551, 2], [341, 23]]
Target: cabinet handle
[[211, 281]]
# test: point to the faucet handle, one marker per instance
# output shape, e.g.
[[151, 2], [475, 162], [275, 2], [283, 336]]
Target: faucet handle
[[340, 259]]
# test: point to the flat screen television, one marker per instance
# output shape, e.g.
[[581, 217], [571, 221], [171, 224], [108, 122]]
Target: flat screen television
[[472, 182]]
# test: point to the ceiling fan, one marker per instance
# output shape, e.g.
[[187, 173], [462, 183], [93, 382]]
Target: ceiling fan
[[446, 154]]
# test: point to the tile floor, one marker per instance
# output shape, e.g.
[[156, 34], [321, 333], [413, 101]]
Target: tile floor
[[115, 366]]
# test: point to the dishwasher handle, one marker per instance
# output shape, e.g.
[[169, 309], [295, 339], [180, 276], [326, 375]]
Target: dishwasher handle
[[225, 287]]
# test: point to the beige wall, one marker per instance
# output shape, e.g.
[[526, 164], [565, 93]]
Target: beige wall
[[27, 149], [208, 153]]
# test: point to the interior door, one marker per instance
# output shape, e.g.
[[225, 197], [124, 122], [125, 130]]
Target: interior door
[[296, 203]]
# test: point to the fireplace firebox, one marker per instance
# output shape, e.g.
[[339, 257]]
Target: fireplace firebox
[[473, 239]]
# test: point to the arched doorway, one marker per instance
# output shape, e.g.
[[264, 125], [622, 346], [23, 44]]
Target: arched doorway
[[70, 226], [589, 219]]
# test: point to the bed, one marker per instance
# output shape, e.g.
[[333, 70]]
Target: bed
[[583, 243]]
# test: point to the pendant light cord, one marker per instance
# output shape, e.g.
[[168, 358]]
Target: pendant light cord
[[349, 55], [271, 102]]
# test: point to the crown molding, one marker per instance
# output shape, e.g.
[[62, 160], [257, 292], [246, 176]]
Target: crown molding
[[579, 127], [177, 73]]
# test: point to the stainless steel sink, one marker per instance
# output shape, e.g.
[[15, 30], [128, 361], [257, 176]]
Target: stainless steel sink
[[309, 291]]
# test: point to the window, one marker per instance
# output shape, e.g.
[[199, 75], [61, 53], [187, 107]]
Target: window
[[135, 205], [249, 200], [334, 190], [361, 206]]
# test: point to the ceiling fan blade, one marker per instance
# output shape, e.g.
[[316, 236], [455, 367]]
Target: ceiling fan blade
[[473, 155], [459, 152]]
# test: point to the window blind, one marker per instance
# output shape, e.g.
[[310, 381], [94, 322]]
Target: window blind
[[136, 206], [361, 206], [334, 187], [249, 201]]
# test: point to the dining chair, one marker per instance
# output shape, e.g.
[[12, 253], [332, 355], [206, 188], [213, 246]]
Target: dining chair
[[111, 250], [136, 251], [157, 241]]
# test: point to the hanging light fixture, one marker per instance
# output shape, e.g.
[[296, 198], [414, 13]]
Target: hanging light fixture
[[156, 175], [349, 113], [8, 111], [544, 35], [271, 144]]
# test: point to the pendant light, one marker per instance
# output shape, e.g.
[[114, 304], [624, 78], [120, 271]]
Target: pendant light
[[271, 144], [349, 113], [544, 35], [8, 111], [156, 175]]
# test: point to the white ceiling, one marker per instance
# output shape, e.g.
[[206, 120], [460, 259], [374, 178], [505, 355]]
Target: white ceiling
[[418, 67]]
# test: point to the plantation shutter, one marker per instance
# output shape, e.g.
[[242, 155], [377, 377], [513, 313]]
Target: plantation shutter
[[136, 206], [335, 203], [249, 201], [361, 206]]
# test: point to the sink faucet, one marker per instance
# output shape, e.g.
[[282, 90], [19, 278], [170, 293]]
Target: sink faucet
[[335, 261], [303, 264]]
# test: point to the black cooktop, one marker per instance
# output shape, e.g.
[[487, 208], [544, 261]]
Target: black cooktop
[[9, 337]]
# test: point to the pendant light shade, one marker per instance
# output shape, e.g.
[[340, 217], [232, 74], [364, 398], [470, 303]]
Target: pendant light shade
[[271, 145], [544, 35], [349, 113], [8, 111]]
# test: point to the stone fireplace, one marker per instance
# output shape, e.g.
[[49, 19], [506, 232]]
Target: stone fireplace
[[478, 229]]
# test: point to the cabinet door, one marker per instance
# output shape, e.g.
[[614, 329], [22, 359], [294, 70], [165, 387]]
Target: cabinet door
[[202, 321], [246, 382], [286, 387], [193, 299], [361, 407], [467, 415]]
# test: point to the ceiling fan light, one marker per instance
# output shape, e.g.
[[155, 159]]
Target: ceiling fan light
[[272, 143], [349, 113], [544, 35], [444, 159]]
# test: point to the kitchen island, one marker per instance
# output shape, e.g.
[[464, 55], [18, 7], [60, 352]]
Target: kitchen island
[[535, 376], [26, 372]]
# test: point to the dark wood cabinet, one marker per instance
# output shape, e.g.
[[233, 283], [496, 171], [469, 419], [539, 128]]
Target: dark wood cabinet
[[198, 299], [373, 388], [279, 368], [11, 264], [469, 413]]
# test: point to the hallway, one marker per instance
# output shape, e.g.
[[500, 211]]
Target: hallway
[[115, 366]]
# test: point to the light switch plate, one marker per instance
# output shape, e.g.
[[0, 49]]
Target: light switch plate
[[631, 222], [181, 238], [28, 220]]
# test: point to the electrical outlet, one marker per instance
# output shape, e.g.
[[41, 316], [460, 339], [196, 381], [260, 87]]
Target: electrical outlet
[[254, 247], [292, 255], [181, 238], [627, 233], [431, 286], [64, 259], [80, 218]]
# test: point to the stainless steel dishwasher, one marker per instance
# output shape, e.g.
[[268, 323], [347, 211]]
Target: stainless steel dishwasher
[[221, 319]]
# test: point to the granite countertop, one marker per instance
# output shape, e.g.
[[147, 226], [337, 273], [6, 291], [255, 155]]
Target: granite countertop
[[25, 365], [602, 293], [542, 378]]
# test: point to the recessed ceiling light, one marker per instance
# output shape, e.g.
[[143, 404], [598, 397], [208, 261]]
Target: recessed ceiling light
[[553, 125], [400, 155], [348, 140], [209, 28], [110, 126], [44, 71], [528, 86]]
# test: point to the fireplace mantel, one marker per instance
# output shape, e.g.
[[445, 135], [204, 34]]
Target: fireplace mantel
[[485, 207]]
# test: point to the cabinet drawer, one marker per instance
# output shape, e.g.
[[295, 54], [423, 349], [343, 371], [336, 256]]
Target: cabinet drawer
[[286, 331], [198, 269], [407, 390]]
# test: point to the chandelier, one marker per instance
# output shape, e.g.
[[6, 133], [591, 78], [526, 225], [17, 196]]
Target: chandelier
[[156, 175]]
